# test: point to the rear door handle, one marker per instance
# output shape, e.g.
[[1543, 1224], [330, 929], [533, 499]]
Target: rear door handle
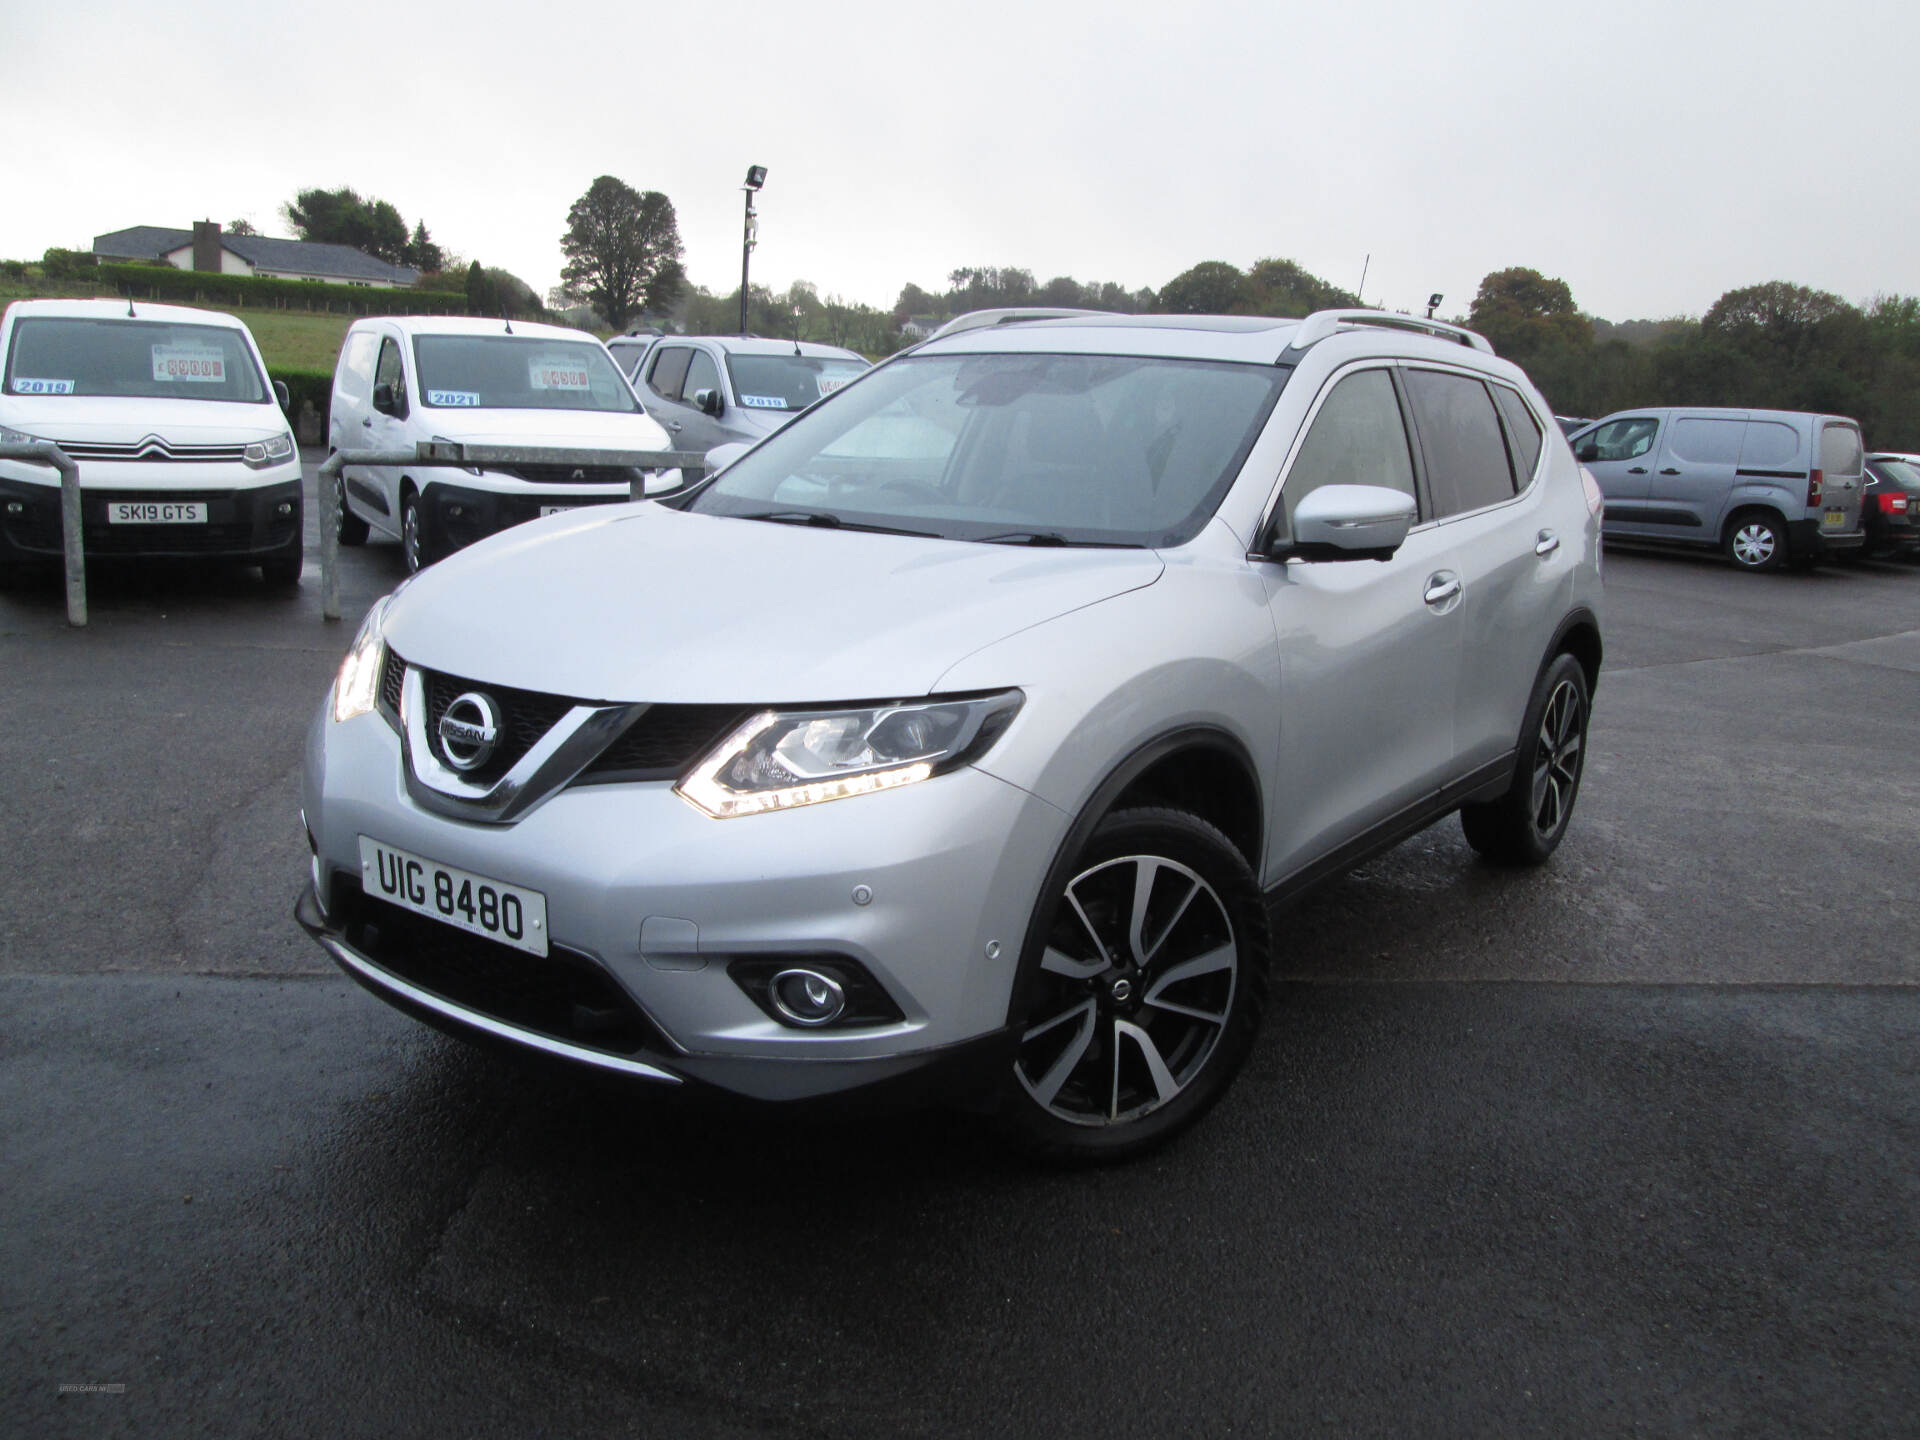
[[1546, 544], [1442, 586], [1669, 472]]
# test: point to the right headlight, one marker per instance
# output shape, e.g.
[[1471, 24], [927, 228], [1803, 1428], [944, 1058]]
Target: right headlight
[[356, 689], [780, 759]]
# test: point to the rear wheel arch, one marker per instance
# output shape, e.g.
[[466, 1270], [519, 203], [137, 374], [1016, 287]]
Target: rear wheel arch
[[1578, 636]]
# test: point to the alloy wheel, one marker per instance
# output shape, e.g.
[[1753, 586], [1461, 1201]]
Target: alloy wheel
[[410, 533], [1556, 758], [1136, 985]]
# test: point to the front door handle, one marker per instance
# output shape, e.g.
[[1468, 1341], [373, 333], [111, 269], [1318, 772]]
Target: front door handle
[[1442, 586], [674, 425], [367, 423], [1546, 543], [1638, 470], [1669, 471]]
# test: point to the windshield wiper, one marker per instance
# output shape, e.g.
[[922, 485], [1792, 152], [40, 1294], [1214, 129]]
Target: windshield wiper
[[827, 520], [1050, 537]]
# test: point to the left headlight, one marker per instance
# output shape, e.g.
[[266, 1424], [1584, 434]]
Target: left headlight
[[779, 759], [263, 453], [356, 689]]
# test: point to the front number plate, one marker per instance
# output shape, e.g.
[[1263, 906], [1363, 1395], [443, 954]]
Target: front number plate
[[508, 913], [546, 510], [161, 512], [1835, 519]]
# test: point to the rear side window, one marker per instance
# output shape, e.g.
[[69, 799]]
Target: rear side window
[[668, 371], [1523, 431], [1357, 438], [1840, 450], [1467, 465], [1708, 442], [1769, 442], [390, 370]]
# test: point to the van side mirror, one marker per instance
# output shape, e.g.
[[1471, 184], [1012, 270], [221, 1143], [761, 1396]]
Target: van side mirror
[[1348, 522], [707, 402], [283, 395], [386, 402], [1586, 452]]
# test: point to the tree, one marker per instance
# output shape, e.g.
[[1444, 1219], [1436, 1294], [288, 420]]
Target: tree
[[341, 217], [1524, 314], [421, 252], [482, 296], [241, 226], [1281, 287], [1212, 287], [623, 251]]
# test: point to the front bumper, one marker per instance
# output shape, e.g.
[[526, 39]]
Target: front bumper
[[458, 515], [927, 888], [250, 522]]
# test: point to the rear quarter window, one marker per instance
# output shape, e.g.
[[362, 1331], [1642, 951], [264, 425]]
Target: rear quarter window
[[1523, 431]]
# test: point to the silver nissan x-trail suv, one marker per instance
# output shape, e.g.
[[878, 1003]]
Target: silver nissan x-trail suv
[[966, 728]]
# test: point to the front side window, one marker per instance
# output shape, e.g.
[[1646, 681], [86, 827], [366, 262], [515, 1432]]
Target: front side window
[[1621, 439], [702, 374], [1358, 438], [1467, 466], [391, 372], [518, 372], [788, 382], [1021, 448], [148, 359]]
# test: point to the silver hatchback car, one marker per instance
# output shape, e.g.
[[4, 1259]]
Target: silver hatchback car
[[966, 729]]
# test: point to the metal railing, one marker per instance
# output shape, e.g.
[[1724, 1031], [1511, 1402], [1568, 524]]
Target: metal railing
[[45, 452], [447, 454], [428, 453]]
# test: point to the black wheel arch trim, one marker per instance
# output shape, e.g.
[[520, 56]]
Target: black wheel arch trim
[[1578, 618], [1096, 809]]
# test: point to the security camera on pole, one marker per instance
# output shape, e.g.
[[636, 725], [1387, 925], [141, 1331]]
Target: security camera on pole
[[756, 177]]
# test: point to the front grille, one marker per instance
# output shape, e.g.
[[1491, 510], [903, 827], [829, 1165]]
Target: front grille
[[664, 742], [570, 474], [525, 716], [157, 451], [566, 995], [393, 679]]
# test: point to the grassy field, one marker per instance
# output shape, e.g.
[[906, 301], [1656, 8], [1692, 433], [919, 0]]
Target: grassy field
[[289, 339]]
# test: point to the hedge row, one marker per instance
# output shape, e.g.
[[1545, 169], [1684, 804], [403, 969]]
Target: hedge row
[[312, 386], [164, 282]]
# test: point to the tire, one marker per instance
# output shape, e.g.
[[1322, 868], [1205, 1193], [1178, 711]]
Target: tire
[[353, 530], [1125, 1042], [416, 544], [1756, 540], [1525, 825], [283, 569]]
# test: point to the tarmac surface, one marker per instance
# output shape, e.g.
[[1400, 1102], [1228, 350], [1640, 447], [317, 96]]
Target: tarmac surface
[[1625, 1145]]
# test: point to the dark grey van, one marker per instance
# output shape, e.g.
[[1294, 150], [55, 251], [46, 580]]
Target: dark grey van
[[1767, 487]]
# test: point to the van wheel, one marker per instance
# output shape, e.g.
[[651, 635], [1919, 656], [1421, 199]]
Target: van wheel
[[1142, 994], [1756, 540], [415, 549], [1525, 825], [353, 530]]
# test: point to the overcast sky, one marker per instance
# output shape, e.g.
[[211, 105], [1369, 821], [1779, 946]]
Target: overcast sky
[[1652, 155]]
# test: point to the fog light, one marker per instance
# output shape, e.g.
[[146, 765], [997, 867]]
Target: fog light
[[14, 507], [285, 507], [455, 510], [806, 997]]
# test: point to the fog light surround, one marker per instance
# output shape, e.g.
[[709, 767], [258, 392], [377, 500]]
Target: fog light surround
[[806, 997]]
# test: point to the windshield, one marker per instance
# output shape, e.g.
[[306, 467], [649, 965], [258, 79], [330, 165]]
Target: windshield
[[1040, 449], [519, 372], [150, 359], [789, 382]]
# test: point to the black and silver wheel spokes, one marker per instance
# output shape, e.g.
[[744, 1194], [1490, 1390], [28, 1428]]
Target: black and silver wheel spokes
[[1556, 757], [1137, 981]]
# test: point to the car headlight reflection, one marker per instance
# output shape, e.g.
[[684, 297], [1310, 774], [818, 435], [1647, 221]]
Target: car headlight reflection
[[356, 688], [780, 759]]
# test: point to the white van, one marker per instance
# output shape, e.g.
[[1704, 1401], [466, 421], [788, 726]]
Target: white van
[[406, 379], [182, 448], [1768, 487]]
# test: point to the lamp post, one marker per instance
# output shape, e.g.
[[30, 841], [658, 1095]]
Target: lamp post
[[756, 177]]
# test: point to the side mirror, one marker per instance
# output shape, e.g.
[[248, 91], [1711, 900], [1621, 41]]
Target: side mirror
[[721, 456], [1587, 452], [283, 395], [386, 402], [708, 402], [1348, 522]]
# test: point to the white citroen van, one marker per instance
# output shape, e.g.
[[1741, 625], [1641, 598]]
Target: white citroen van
[[1768, 487], [182, 443], [401, 380]]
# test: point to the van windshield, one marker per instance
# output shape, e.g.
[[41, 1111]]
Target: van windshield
[[1015, 448], [519, 372], [147, 359]]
